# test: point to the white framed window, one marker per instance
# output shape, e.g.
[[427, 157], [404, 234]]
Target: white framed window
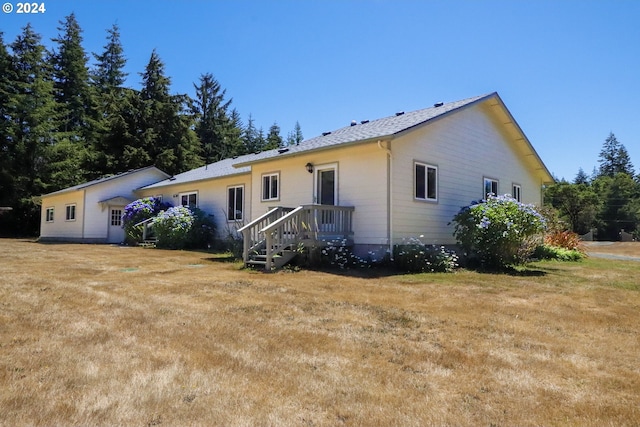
[[189, 199], [116, 217], [235, 203], [271, 186], [516, 192], [49, 214], [70, 213], [490, 187], [425, 182]]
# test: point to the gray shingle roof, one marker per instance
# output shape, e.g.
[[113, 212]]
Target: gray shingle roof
[[210, 171], [101, 180], [374, 129]]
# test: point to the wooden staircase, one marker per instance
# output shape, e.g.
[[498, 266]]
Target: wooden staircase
[[276, 237], [149, 240]]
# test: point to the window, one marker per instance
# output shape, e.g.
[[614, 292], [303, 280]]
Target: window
[[490, 187], [235, 203], [426, 182], [516, 191], [49, 214], [189, 199], [71, 213], [270, 186], [116, 217]]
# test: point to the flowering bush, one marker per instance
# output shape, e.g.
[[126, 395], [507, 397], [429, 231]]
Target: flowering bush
[[172, 227], [136, 212], [495, 230], [337, 253], [414, 256]]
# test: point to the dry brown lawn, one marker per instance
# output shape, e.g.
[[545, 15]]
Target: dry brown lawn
[[105, 335]]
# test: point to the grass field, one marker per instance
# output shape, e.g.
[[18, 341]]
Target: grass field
[[105, 335]]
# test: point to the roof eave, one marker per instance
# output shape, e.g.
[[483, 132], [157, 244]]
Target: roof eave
[[542, 167], [316, 150], [170, 183]]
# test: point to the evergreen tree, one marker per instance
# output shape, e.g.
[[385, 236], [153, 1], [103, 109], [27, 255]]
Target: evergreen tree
[[78, 114], [71, 74], [619, 194], [34, 122], [235, 133], [250, 138], [166, 130], [7, 80], [295, 137], [274, 140], [214, 127], [581, 177], [109, 74], [614, 158], [115, 106]]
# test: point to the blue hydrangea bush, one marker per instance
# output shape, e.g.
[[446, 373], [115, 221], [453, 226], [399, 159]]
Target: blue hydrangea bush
[[497, 232], [138, 211], [172, 227], [414, 256]]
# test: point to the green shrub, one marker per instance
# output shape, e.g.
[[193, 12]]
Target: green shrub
[[557, 253], [202, 231], [414, 256], [172, 227], [494, 231]]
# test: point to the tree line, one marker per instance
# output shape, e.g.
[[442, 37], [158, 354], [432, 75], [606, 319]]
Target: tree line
[[64, 121], [607, 201]]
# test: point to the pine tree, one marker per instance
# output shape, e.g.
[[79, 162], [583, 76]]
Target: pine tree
[[215, 129], [78, 126], [108, 74], [71, 74], [115, 107], [250, 138], [7, 80], [166, 134], [581, 177], [33, 134], [614, 158], [294, 137], [274, 140]]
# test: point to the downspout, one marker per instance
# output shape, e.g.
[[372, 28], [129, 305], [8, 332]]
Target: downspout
[[84, 212], [389, 195]]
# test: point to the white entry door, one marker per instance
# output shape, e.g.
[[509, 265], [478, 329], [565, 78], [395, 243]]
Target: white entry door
[[115, 230], [326, 192], [326, 184]]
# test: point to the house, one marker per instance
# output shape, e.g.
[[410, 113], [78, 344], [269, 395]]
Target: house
[[92, 212], [370, 184]]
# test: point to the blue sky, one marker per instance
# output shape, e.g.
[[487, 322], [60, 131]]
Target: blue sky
[[569, 71]]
